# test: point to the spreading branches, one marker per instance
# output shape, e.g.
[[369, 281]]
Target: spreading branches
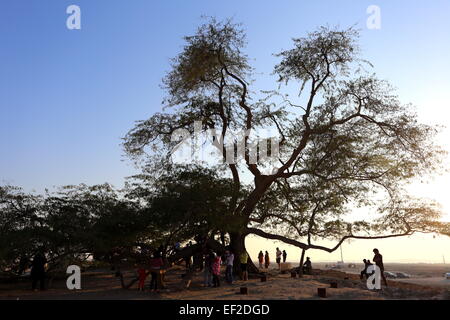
[[346, 142]]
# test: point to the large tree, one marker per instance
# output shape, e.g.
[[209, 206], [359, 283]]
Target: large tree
[[346, 140], [67, 226]]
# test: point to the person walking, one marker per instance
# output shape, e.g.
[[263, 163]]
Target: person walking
[[284, 256]]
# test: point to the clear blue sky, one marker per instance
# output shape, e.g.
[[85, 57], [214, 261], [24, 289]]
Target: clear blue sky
[[68, 96]]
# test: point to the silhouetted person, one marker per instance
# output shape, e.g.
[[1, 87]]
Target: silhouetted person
[[364, 272], [38, 271], [284, 256], [307, 266], [229, 260], [278, 258], [216, 271], [266, 260], [378, 260], [261, 259], [155, 265], [209, 260], [243, 259]]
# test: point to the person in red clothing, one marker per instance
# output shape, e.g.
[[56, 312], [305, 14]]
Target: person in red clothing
[[216, 271], [142, 274], [155, 269]]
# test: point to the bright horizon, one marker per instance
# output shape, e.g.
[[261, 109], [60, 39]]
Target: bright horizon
[[68, 96]]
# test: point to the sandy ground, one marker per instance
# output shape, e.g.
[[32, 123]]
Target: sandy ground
[[102, 284]]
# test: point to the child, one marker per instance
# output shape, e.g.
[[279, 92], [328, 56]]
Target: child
[[216, 271], [142, 274]]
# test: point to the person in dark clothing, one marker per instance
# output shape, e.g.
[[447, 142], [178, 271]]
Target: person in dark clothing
[[284, 256], [266, 260], [378, 259], [209, 260], [261, 259], [156, 263], [307, 266], [38, 271], [364, 272]]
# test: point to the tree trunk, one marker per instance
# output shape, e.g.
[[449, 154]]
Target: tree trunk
[[237, 246], [302, 258]]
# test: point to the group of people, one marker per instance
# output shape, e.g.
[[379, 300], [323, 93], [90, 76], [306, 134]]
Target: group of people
[[212, 263], [211, 266], [155, 266], [378, 260], [264, 259]]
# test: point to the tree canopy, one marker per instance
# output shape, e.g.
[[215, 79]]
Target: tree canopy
[[345, 141]]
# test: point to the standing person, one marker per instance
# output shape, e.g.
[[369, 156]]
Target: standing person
[[261, 259], [267, 260], [284, 256], [155, 270], [142, 274], [243, 259], [208, 269], [38, 271], [378, 259], [216, 270], [278, 255], [229, 260]]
